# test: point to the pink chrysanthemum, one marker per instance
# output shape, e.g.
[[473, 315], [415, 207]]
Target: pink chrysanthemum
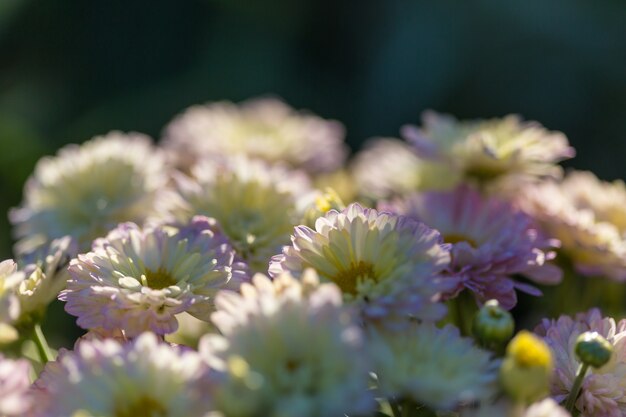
[[265, 128], [387, 265], [588, 216], [141, 378], [138, 280], [15, 398], [491, 242], [604, 389], [288, 348]]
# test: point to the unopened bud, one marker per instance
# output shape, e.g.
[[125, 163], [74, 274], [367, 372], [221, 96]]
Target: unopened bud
[[593, 349], [493, 325]]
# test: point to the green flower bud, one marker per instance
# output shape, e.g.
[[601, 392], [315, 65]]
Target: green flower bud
[[493, 325], [593, 349]]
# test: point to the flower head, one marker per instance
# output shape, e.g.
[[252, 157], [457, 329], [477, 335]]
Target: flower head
[[588, 216], [387, 265], [490, 150], [142, 378], [139, 279], [288, 349], [491, 242], [256, 204], [9, 302], [84, 191], [264, 128], [603, 389], [15, 398], [432, 366]]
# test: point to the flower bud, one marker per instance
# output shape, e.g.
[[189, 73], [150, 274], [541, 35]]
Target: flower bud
[[526, 369], [492, 325], [324, 202], [593, 349]]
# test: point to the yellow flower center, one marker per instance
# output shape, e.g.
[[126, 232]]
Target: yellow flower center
[[348, 279], [529, 350], [456, 238], [159, 279], [144, 407]]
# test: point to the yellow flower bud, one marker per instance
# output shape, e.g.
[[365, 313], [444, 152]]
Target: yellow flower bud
[[526, 369]]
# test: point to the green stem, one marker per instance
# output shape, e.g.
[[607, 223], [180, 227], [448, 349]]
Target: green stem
[[42, 344], [578, 382]]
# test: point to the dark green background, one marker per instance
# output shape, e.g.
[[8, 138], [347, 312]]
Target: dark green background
[[70, 69]]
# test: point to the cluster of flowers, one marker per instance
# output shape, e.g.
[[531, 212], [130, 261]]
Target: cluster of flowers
[[221, 274]]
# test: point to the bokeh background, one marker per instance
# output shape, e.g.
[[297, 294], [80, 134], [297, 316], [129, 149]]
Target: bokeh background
[[71, 69]]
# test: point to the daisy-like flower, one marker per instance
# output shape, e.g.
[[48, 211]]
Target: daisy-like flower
[[144, 377], [432, 366], [491, 242], [265, 128], [388, 167], [138, 280], [603, 390], [490, 150], [387, 265], [15, 399], [256, 204], [84, 191], [288, 349], [588, 216]]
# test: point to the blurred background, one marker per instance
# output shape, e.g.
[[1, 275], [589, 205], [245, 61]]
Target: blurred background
[[71, 69]]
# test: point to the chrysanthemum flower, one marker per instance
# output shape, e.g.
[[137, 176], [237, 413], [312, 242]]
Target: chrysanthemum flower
[[138, 280], [432, 366], [490, 150], [84, 191], [388, 167], [588, 216], [264, 128], [9, 302], [15, 399], [256, 204], [603, 390], [288, 349], [491, 242], [386, 264], [142, 378]]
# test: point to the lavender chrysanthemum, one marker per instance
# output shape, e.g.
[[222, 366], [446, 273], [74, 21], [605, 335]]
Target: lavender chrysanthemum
[[142, 378], [603, 390], [588, 216], [15, 398], [138, 280], [288, 348], [491, 242], [86, 190], [387, 265], [490, 150], [256, 204], [266, 129]]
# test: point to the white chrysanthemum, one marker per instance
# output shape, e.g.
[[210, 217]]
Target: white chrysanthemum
[[289, 349], [15, 398], [142, 378], [387, 167], [256, 205], [604, 389], [588, 216], [267, 129], [387, 265], [9, 302], [432, 366], [490, 150], [138, 280], [502, 408], [86, 190]]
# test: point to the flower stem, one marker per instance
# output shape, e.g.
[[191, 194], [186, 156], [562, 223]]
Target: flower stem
[[42, 344], [578, 382]]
